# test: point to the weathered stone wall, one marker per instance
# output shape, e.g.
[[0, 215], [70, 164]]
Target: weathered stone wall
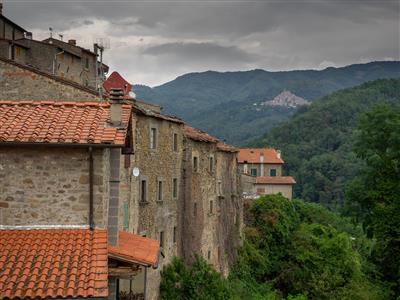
[[210, 206], [22, 83], [230, 215], [268, 189], [161, 163], [49, 185], [247, 183]]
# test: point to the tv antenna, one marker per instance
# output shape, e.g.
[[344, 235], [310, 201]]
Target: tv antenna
[[51, 32], [99, 46], [61, 36]]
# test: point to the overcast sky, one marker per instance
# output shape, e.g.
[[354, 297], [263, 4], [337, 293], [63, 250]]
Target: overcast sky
[[152, 42]]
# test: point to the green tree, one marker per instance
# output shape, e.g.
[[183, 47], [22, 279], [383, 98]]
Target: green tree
[[375, 192]]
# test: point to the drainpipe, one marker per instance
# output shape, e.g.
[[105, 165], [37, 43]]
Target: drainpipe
[[91, 223], [55, 61]]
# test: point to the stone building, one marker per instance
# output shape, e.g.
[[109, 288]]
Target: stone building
[[210, 206], [61, 198], [64, 59], [21, 82], [265, 165], [8, 29]]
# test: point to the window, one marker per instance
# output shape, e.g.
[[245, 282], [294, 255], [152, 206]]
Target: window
[[219, 188], [143, 190], [174, 234], [87, 63], [195, 209], [253, 172], [209, 255], [195, 164], [153, 138], [175, 142], [161, 238], [159, 190], [17, 51], [174, 187], [211, 207], [211, 163], [272, 172]]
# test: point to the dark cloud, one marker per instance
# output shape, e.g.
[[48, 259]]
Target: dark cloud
[[154, 41]]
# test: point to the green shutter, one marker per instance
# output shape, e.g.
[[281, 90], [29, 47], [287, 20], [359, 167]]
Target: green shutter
[[126, 216]]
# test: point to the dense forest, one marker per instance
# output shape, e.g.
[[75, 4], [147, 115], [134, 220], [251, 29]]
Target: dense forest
[[223, 103], [318, 142], [301, 250]]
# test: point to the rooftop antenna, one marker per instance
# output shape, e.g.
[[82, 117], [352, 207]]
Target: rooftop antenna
[[61, 36], [51, 32], [99, 46]]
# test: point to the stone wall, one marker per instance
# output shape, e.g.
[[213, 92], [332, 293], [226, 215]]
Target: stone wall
[[23, 83], [159, 164], [49, 185], [210, 205], [268, 189]]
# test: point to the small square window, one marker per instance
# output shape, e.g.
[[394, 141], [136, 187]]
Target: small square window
[[272, 172], [253, 172], [175, 188], [175, 142], [153, 138], [195, 164]]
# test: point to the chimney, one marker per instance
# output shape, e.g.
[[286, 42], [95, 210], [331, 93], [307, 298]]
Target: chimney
[[72, 42], [116, 101], [28, 35], [278, 154]]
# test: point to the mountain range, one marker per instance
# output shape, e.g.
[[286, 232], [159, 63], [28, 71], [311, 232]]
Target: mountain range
[[227, 104]]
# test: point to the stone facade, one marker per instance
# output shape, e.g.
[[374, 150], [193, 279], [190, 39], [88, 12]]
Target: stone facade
[[210, 206], [152, 214], [261, 169], [50, 185], [8, 29], [269, 189], [18, 82]]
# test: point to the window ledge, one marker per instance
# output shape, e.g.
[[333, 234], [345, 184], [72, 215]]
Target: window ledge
[[143, 203], [160, 201]]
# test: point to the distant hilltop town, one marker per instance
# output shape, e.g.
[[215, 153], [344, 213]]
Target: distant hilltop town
[[100, 190]]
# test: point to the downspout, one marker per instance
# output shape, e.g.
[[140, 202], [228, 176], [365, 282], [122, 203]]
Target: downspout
[[91, 225]]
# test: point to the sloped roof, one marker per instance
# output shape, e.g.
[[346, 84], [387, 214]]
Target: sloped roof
[[56, 122], [151, 113], [7, 20], [115, 80], [275, 180], [226, 147], [252, 155], [198, 135], [135, 248], [53, 263]]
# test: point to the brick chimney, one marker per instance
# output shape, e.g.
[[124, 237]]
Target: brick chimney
[[72, 42], [116, 101]]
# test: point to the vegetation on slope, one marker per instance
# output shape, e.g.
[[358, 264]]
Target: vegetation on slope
[[222, 103], [317, 142]]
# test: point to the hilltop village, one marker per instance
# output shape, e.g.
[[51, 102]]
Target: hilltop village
[[100, 190]]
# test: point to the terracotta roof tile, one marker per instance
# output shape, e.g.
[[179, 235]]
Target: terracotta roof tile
[[275, 180], [48, 263], [136, 248], [252, 155], [53, 122]]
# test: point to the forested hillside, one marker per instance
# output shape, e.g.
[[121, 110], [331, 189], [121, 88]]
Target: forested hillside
[[317, 142], [228, 104]]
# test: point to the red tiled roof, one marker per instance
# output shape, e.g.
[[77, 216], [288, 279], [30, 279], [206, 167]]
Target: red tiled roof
[[252, 155], [198, 135], [54, 122], [275, 180], [53, 263], [136, 249], [115, 80]]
